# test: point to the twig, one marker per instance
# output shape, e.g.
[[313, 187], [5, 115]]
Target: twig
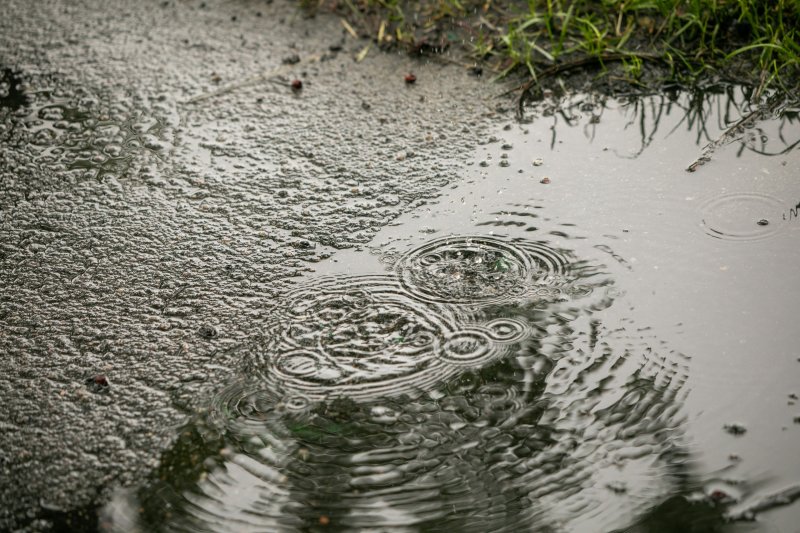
[[729, 135], [349, 29]]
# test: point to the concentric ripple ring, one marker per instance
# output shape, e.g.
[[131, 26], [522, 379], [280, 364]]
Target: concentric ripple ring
[[365, 337], [742, 216], [470, 270]]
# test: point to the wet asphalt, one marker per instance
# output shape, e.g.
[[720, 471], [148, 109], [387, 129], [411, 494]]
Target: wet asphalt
[[161, 183]]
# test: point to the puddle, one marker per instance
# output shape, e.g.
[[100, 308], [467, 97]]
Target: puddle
[[529, 354], [495, 416]]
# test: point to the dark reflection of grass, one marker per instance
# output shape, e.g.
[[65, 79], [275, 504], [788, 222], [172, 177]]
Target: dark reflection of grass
[[702, 113], [679, 515]]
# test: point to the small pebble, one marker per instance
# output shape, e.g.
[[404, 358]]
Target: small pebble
[[208, 331], [410, 78], [297, 85], [720, 496], [98, 384], [545, 180], [763, 222], [291, 60], [735, 429]]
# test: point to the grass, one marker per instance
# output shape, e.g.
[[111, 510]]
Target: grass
[[749, 41]]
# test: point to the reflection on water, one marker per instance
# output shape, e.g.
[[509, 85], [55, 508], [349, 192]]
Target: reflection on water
[[703, 114], [398, 402]]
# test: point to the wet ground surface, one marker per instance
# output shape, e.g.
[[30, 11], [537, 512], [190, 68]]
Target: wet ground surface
[[146, 225], [210, 303]]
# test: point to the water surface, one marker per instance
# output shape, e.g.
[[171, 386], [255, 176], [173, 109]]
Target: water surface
[[610, 348]]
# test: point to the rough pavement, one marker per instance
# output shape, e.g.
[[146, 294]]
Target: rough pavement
[[142, 230]]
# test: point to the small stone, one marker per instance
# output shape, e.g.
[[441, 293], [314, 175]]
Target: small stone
[[719, 495], [763, 222], [617, 487], [208, 331], [545, 180], [98, 384], [297, 85], [735, 429], [291, 60], [324, 520], [410, 78], [538, 162]]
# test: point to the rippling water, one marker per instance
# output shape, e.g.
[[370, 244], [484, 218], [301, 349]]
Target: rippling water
[[474, 388], [497, 376], [743, 216], [475, 270]]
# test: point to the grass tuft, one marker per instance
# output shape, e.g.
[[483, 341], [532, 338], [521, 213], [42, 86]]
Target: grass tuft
[[749, 41]]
